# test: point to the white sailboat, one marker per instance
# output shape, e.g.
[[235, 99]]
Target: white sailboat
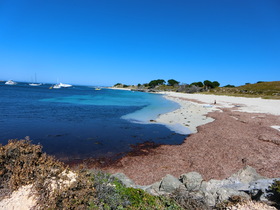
[[35, 84], [10, 82]]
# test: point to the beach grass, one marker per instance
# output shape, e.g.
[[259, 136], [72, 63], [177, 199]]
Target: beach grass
[[265, 90], [242, 95]]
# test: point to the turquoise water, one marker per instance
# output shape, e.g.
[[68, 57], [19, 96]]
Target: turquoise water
[[151, 104], [80, 122]]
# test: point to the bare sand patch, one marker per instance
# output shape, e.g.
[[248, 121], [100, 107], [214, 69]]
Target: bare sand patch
[[20, 199]]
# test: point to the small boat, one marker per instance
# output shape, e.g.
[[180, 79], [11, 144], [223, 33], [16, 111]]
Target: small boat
[[10, 82], [57, 86], [97, 88], [60, 85], [64, 85]]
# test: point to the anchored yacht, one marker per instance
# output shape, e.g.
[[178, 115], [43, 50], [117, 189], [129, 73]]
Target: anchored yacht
[[10, 82]]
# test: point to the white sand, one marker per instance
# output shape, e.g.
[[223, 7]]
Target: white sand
[[191, 114], [186, 119], [21, 199], [252, 105]]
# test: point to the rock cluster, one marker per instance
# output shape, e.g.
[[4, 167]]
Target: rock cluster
[[246, 183]]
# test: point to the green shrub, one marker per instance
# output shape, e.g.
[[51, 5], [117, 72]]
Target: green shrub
[[139, 199], [112, 194], [106, 192]]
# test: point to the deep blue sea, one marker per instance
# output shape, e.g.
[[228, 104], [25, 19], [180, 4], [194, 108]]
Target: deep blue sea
[[81, 122]]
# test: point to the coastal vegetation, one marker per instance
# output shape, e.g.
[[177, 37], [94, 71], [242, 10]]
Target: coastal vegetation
[[268, 90], [171, 85], [259, 89]]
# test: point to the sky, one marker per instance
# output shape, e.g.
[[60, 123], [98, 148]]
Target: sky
[[104, 42]]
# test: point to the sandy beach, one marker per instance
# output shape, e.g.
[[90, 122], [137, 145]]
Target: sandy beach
[[194, 108], [190, 115], [251, 105], [225, 136]]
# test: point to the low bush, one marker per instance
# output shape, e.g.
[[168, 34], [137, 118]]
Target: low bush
[[80, 194], [187, 201], [23, 163], [56, 187], [112, 194]]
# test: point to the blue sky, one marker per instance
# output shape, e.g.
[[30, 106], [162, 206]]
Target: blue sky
[[102, 42]]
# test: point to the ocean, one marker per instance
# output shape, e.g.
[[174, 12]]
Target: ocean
[[80, 122]]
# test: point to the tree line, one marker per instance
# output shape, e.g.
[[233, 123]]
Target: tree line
[[172, 83]]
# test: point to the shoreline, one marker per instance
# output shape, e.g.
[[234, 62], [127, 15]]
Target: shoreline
[[236, 138], [194, 108], [115, 88], [190, 115]]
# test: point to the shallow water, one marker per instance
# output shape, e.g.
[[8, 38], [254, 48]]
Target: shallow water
[[80, 122]]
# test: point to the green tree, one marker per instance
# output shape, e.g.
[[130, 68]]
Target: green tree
[[230, 86], [215, 84], [157, 82], [118, 84], [172, 82], [161, 81], [208, 84], [198, 84]]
